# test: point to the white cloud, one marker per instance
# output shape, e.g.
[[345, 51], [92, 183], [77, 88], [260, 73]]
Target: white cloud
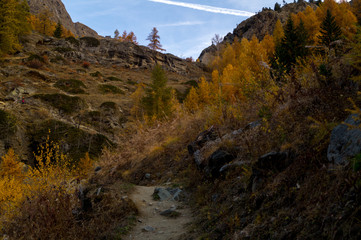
[[206, 8], [179, 24]]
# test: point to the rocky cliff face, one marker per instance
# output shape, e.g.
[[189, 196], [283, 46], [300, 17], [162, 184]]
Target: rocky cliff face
[[111, 52], [59, 13], [258, 25]]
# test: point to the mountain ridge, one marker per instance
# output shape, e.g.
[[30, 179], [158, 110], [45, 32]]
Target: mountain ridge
[[258, 25], [60, 14]]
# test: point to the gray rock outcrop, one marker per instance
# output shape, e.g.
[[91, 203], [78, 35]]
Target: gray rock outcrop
[[122, 54], [345, 141]]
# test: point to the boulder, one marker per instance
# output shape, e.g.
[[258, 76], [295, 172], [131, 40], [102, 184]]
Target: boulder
[[217, 160], [204, 137], [230, 166], [345, 141], [273, 161], [161, 194], [173, 194], [18, 92]]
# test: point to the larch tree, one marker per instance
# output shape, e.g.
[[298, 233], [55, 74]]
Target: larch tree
[[216, 40], [13, 23], [45, 25], [158, 97], [131, 38], [124, 35], [278, 32], [153, 37]]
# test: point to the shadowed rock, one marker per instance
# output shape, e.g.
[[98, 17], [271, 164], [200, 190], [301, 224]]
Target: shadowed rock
[[345, 141]]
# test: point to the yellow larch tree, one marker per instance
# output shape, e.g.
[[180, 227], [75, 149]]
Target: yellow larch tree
[[278, 32], [310, 21], [137, 111], [191, 103]]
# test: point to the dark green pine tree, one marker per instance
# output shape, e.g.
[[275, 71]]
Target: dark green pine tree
[[330, 31], [58, 30], [277, 7], [291, 48], [157, 101]]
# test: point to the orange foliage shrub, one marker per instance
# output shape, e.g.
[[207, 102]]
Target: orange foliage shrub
[[52, 177], [86, 65]]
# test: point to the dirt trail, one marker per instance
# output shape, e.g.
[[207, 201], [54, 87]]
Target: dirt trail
[[164, 228]]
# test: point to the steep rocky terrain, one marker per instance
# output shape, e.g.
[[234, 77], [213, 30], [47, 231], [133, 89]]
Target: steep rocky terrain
[[80, 86], [258, 25], [60, 14]]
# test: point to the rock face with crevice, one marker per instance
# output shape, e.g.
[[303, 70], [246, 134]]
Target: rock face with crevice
[[60, 14]]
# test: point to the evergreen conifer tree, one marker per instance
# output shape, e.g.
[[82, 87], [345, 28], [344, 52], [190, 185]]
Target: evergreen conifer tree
[[330, 31], [157, 100], [291, 47], [277, 7], [58, 31]]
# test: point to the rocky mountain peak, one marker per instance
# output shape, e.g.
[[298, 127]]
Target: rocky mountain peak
[[60, 14]]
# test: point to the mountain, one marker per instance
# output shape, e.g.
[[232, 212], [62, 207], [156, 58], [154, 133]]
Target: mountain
[[60, 14], [82, 85], [258, 25]]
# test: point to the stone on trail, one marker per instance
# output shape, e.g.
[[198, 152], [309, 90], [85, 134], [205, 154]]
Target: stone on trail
[[171, 213], [148, 229], [161, 194]]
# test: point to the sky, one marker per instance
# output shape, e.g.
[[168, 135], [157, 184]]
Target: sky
[[185, 27]]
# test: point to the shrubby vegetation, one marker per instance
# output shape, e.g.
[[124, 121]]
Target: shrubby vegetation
[[64, 103], [7, 124], [71, 86]]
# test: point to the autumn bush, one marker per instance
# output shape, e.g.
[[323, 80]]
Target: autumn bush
[[35, 63], [44, 193], [86, 65], [107, 88], [7, 124], [71, 86]]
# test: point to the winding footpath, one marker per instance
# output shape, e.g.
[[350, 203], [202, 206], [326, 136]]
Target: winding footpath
[[150, 224]]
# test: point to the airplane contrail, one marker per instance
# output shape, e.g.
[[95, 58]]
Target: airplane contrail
[[206, 8]]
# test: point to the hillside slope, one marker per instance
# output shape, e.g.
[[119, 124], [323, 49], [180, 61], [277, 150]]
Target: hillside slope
[[258, 25], [83, 86], [60, 14]]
